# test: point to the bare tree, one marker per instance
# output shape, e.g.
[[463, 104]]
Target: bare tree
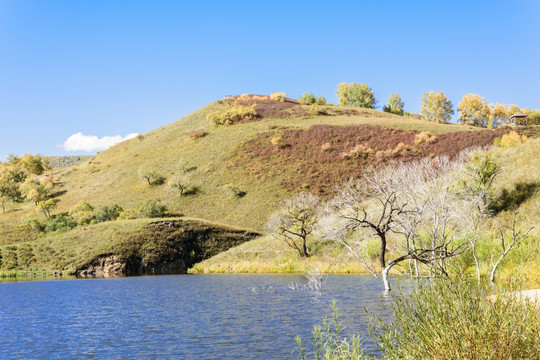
[[295, 221], [516, 236], [396, 201]]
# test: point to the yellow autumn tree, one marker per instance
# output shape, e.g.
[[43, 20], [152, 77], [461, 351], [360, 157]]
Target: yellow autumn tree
[[498, 115], [474, 110], [436, 107]]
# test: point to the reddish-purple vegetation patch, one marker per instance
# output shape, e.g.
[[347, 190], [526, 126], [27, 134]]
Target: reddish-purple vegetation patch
[[324, 155], [268, 108]]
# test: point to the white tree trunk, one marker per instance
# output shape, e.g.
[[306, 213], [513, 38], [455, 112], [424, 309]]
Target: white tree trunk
[[385, 278]]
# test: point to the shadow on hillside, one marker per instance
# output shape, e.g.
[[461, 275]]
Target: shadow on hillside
[[175, 215], [59, 193], [510, 199]]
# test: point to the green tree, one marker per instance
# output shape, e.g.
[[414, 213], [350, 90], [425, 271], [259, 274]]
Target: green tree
[[152, 208], [307, 98], [10, 179], [474, 110], [46, 206], [480, 173], [107, 213], [395, 105], [152, 177], [83, 213], [41, 192], [354, 94], [436, 107]]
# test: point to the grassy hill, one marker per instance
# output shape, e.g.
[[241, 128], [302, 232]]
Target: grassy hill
[[242, 171], [519, 180]]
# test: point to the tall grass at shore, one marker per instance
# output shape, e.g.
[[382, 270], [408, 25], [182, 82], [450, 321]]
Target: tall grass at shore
[[442, 320]]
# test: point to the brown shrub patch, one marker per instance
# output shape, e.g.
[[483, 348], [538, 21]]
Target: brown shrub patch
[[266, 107], [197, 134], [324, 155]]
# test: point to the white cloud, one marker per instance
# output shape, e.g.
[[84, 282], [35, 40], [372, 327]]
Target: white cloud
[[90, 143]]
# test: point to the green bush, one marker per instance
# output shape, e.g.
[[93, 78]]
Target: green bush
[[83, 213], [329, 343], [152, 208], [311, 99], [60, 222], [106, 213], [236, 190], [307, 98]]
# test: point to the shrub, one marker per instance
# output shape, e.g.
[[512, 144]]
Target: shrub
[[278, 96], [307, 98], [321, 100], [152, 208], [329, 343], [278, 142], [83, 213], [440, 320], [197, 134], [445, 320], [359, 150], [235, 190], [128, 214], [152, 177], [233, 115], [315, 109], [106, 213], [511, 139], [34, 224], [326, 146], [60, 223], [424, 138], [140, 137], [183, 188]]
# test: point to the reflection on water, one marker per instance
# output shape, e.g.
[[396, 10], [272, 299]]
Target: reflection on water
[[176, 317]]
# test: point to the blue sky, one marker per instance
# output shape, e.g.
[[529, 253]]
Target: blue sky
[[112, 68]]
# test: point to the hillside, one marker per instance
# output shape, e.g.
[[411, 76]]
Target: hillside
[[243, 170], [518, 184]]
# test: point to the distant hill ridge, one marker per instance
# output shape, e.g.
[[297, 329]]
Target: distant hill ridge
[[65, 161]]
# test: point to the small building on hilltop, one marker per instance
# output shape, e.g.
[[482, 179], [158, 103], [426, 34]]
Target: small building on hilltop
[[517, 119]]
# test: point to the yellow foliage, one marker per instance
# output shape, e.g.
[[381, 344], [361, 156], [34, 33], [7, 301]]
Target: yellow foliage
[[278, 96], [326, 146], [474, 110], [436, 107], [359, 150], [424, 138], [233, 115], [277, 141], [511, 139]]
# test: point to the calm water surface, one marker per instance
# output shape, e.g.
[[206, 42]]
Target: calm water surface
[[176, 317]]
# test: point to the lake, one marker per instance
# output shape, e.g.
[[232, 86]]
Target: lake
[[177, 316]]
